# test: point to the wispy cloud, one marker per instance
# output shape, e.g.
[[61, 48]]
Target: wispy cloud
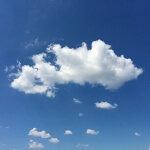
[[35, 43], [54, 140], [92, 132], [137, 134], [4, 127], [82, 145], [18, 64], [9, 68], [98, 65], [3, 145], [35, 145], [35, 133], [12, 67], [105, 105], [77, 101], [68, 132], [80, 114]]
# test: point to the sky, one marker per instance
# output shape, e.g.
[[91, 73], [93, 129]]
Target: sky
[[74, 74]]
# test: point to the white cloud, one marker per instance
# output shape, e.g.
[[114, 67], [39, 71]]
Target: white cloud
[[33, 144], [80, 114], [92, 132], [68, 132], [105, 105], [42, 134], [98, 65], [77, 101], [54, 140], [82, 145], [137, 134]]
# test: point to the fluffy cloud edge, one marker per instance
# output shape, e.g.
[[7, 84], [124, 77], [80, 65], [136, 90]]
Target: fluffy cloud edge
[[137, 134], [54, 140], [68, 132], [77, 101], [98, 65], [35, 133], [92, 132], [34, 145], [105, 105]]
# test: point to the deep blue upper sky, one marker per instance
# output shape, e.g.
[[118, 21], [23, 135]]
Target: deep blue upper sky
[[27, 27]]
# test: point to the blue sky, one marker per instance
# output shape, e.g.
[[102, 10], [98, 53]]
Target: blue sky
[[74, 75]]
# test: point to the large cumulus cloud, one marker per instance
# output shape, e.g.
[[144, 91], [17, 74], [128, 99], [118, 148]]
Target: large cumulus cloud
[[98, 65]]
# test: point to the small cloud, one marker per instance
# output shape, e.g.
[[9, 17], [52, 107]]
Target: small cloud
[[105, 105], [54, 140], [18, 64], [92, 132], [50, 93], [7, 127], [68, 132], [32, 44], [137, 134], [35, 43], [85, 145], [77, 101], [80, 114], [33, 144], [82, 145], [49, 49], [6, 69], [35, 133]]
